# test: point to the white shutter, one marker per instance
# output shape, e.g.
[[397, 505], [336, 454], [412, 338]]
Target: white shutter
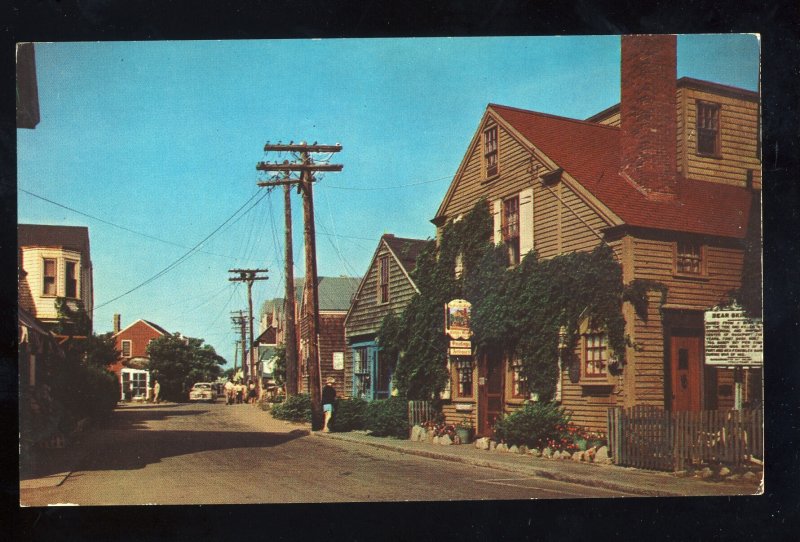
[[498, 221], [525, 222]]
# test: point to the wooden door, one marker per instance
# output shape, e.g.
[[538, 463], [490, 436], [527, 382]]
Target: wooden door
[[490, 392], [685, 368]]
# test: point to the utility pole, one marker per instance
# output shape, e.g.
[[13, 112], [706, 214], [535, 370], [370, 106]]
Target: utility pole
[[306, 168], [249, 276], [290, 339], [238, 318]]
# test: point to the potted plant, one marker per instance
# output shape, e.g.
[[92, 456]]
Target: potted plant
[[464, 431]]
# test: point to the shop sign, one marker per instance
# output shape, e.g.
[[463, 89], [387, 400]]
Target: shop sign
[[457, 320]]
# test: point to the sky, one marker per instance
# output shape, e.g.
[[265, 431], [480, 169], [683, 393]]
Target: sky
[[153, 147]]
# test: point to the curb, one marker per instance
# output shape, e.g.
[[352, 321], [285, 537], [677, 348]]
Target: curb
[[497, 465]]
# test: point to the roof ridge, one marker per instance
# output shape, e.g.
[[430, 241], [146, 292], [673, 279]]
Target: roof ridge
[[555, 117]]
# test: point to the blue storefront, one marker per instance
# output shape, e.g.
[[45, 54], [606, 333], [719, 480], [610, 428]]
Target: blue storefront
[[372, 371]]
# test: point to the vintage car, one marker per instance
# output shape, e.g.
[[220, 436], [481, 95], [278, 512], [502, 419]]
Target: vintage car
[[203, 391]]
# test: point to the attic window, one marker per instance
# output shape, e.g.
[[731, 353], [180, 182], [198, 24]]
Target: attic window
[[384, 279], [126, 349], [708, 129], [490, 151]]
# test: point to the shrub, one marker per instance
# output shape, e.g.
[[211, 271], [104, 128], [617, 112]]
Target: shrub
[[535, 424], [348, 415], [387, 417], [296, 408]]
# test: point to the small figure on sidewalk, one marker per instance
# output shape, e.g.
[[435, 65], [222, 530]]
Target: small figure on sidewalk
[[229, 392], [239, 392], [156, 392], [328, 397], [251, 392]]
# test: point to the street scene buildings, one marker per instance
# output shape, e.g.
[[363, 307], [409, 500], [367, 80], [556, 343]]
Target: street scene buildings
[[587, 298]]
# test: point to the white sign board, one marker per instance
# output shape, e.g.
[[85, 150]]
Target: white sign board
[[733, 339], [338, 361]]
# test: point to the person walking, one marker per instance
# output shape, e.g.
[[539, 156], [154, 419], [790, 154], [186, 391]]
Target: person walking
[[239, 392], [229, 392], [251, 392], [328, 397], [156, 391]]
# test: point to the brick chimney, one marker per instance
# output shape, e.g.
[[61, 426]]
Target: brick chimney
[[117, 323], [648, 119]]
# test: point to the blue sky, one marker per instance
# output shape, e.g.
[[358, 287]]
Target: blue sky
[[163, 137]]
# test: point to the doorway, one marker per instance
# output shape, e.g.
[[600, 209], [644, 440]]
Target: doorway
[[490, 391], [686, 362]]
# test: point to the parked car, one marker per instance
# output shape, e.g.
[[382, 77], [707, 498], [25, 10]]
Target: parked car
[[203, 391]]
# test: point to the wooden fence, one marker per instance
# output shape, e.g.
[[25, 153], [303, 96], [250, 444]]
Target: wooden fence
[[652, 438], [419, 412]]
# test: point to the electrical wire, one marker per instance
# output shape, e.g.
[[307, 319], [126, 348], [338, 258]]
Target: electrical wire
[[387, 187], [184, 257]]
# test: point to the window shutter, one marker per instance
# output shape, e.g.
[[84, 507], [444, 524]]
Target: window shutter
[[525, 222], [497, 214]]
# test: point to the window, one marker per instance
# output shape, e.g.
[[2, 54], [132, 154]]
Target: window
[[459, 265], [49, 277], [689, 258], [510, 228], [519, 382], [383, 378], [383, 270], [360, 372], [71, 283], [595, 351], [126, 349], [490, 151], [464, 374], [708, 128]]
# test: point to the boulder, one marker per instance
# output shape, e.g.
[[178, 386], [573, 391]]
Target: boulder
[[734, 477], [724, 471], [706, 473], [577, 456], [523, 449], [444, 440], [436, 440], [430, 436], [749, 475], [557, 455], [417, 433], [547, 452], [492, 445], [482, 443], [514, 449], [502, 447], [601, 455], [535, 452]]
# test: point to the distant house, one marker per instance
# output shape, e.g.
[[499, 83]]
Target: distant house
[[131, 367], [387, 287], [54, 262], [335, 295]]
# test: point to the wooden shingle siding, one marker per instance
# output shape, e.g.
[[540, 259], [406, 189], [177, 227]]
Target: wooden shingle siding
[[738, 123]]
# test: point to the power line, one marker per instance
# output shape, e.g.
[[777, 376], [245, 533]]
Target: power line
[[117, 225], [182, 258], [386, 187]]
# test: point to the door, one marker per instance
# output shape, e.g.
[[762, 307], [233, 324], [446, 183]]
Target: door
[[685, 368], [490, 392]]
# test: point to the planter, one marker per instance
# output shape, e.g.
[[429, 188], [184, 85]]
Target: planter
[[465, 435]]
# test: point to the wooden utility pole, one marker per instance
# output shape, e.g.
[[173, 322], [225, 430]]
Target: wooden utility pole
[[238, 318], [249, 276], [306, 168], [290, 339]]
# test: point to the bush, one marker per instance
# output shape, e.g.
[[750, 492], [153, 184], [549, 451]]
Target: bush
[[348, 415], [387, 417], [535, 424], [83, 392], [296, 408]]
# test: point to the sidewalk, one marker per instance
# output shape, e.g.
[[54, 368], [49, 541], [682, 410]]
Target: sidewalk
[[623, 479]]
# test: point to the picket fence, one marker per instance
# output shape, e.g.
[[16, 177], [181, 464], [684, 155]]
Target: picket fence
[[420, 412], [651, 438]]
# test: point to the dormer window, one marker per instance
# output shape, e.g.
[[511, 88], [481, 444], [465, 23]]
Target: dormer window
[[708, 129], [490, 151]]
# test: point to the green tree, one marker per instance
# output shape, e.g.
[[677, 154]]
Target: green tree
[[72, 322], [279, 370], [178, 362]]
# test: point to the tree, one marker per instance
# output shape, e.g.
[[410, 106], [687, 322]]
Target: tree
[[71, 321], [279, 369], [178, 362]]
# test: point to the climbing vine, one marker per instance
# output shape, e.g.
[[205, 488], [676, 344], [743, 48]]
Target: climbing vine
[[517, 311]]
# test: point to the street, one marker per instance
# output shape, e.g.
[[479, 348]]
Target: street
[[218, 454]]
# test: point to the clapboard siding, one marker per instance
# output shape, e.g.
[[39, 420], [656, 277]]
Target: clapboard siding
[[739, 127], [43, 307]]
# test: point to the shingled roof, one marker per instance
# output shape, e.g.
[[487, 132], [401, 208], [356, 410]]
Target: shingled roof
[[43, 235], [590, 154], [406, 250]]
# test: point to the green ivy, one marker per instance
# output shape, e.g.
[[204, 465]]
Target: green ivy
[[517, 311]]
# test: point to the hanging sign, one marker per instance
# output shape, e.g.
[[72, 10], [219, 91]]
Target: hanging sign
[[457, 319], [733, 339], [460, 351]]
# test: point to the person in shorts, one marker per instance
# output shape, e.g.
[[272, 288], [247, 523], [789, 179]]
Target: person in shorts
[[328, 397]]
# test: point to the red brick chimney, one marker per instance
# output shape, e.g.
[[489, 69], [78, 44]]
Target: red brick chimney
[[117, 323], [648, 118]]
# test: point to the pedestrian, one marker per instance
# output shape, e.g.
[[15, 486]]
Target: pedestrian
[[156, 391], [239, 392], [251, 392], [229, 392], [328, 397]]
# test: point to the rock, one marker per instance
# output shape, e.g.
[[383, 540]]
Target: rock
[[601, 455], [682, 473], [557, 455], [547, 452], [482, 443], [749, 475], [416, 433], [590, 453], [436, 440], [535, 452], [430, 436], [706, 473], [502, 447], [577, 456], [492, 445], [724, 471], [734, 477], [514, 449], [444, 440], [523, 449]]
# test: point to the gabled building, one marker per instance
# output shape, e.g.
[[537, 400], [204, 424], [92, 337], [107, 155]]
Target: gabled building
[[335, 295], [54, 262], [386, 288], [132, 367], [668, 179]]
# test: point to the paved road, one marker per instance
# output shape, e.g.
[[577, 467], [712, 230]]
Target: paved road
[[216, 454]]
